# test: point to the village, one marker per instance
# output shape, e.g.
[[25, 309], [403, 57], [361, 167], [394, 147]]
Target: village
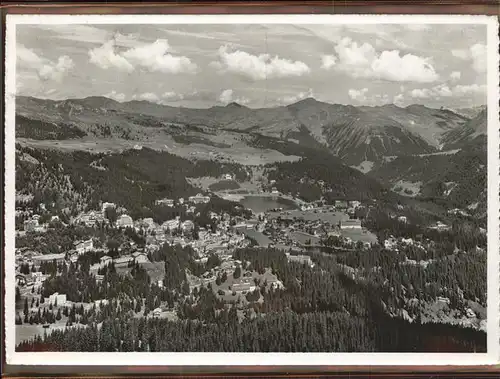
[[308, 227]]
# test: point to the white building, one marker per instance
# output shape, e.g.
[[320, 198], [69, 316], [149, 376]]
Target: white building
[[58, 258], [140, 257], [171, 224], [124, 221], [354, 203], [300, 259], [31, 225], [187, 226], [60, 299], [148, 223], [84, 246], [106, 260], [167, 202], [350, 224], [199, 199]]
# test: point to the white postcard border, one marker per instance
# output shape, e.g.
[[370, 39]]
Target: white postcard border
[[268, 359]]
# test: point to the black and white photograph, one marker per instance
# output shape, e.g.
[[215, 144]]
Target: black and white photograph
[[268, 184]]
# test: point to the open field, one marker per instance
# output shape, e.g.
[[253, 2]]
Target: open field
[[26, 331], [331, 217], [302, 238], [362, 235], [406, 188], [237, 151]]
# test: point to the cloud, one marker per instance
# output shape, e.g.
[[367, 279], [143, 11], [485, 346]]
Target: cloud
[[421, 93], [407, 68], [290, 99], [476, 53], [328, 61], [361, 96], [443, 90], [58, 70], [460, 53], [172, 96], [153, 57], [106, 58], [227, 96], [27, 57], [147, 96], [363, 61], [399, 99], [258, 67], [44, 68], [455, 75], [358, 95], [116, 96], [355, 59], [469, 89]]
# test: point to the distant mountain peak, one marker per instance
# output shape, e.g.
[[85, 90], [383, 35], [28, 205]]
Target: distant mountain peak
[[416, 107], [234, 104], [306, 101]]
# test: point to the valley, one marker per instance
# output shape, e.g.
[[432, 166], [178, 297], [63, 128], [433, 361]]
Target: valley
[[228, 215]]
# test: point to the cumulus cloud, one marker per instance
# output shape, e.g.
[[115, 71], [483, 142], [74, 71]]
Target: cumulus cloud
[[363, 61], [56, 71], [171, 96], [455, 75], [358, 95], [106, 58], [116, 96], [443, 90], [227, 96], [361, 96], [391, 66], [44, 68], [399, 99], [154, 57], [476, 54], [258, 67], [328, 61], [420, 93]]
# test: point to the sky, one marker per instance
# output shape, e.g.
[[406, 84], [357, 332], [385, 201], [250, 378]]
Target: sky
[[255, 65]]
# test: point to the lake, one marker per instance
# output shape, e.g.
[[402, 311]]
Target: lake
[[260, 204], [259, 237]]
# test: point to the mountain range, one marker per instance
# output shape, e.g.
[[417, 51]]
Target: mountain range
[[407, 148], [356, 134]]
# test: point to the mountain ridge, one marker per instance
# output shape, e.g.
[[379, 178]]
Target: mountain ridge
[[355, 133]]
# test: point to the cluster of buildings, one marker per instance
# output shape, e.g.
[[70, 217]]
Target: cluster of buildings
[[33, 224], [138, 256], [302, 259]]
